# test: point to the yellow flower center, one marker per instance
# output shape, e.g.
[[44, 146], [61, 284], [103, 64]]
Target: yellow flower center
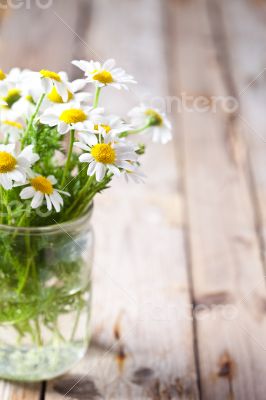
[[107, 128], [30, 99], [12, 97], [42, 184], [55, 97], [155, 118], [104, 77], [73, 115], [103, 153], [7, 162], [14, 124], [50, 74], [2, 75]]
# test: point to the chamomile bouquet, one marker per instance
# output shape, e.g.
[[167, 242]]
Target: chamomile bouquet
[[58, 148], [43, 111]]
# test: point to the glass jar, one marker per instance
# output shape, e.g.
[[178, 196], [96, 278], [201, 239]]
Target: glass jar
[[45, 298]]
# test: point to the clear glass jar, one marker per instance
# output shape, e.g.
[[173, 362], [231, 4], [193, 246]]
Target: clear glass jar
[[45, 298]]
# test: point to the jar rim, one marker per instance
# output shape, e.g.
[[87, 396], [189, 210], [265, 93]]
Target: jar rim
[[64, 226]]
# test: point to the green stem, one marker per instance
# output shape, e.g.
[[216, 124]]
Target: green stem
[[59, 335], [96, 188], [32, 118], [96, 97], [2, 202], [38, 333], [21, 221], [23, 281], [81, 193], [8, 209], [69, 155], [135, 131], [25, 276], [76, 322]]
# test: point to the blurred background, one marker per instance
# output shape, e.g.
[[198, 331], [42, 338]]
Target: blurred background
[[179, 274]]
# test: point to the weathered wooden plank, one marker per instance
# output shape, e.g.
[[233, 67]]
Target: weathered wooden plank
[[142, 336], [227, 270]]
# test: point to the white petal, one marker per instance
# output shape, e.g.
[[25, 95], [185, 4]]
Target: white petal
[[62, 90], [63, 75], [88, 138], [114, 169], [82, 146], [23, 163], [9, 148], [47, 85], [58, 197], [6, 181], [17, 176], [48, 202], [65, 193], [63, 128], [85, 157], [52, 179], [55, 202], [27, 193], [37, 200], [83, 97], [28, 154], [100, 171], [125, 165], [77, 85], [109, 64], [91, 168], [83, 65], [49, 119]]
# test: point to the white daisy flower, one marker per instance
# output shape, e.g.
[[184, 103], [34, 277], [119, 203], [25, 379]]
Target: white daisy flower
[[24, 92], [51, 79], [42, 189], [108, 124], [73, 94], [106, 155], [14, 166], [12, 127], [12, 84], [71, 116], [12, 80], [12, 96], [105, 74], [156, 122], [113, 124], [30, 87]]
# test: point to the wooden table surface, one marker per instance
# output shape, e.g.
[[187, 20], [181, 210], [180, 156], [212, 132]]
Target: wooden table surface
[[179, 275]]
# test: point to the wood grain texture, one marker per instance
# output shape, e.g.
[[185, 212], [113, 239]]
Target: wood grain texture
[[19, 392], [246, 52], [225, 253], [142, 338], [36, 38]]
